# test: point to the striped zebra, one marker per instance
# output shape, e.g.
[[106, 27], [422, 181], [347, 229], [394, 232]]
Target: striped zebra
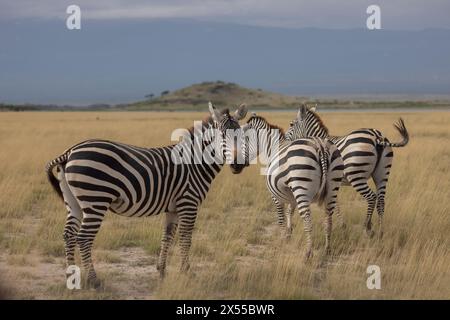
[[366, 154], [95, 176], [299, 172]]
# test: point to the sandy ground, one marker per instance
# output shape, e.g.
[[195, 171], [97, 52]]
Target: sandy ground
[[134, 277]]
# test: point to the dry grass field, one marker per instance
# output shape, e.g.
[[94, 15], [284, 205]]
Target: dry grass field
[[237, 249]]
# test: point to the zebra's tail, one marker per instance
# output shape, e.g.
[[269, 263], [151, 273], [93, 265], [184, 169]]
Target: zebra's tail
[[323, 157], [401, 128], [50, 175]]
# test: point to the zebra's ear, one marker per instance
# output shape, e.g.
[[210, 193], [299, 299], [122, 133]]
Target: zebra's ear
[[313, 108], [301, 114], [215, 114], [240, 112]]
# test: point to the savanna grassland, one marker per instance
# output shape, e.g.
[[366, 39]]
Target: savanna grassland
[[237, 249]]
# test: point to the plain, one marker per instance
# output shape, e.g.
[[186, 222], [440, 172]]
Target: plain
[[237, 248]]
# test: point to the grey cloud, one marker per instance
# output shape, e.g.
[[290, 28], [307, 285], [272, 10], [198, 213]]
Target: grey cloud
[[400, 14]]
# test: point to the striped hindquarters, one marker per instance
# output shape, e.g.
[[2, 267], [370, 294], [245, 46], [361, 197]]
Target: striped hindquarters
[[303, 169], [363, 149], [360, 154]]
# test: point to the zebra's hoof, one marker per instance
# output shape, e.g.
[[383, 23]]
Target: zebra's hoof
[[162, 270], [185, 267], [308, 255], [370, 233], [288, 233], [94, 283]]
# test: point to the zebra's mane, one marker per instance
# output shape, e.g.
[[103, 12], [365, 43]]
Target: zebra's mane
[[319, 120], [271, 126]]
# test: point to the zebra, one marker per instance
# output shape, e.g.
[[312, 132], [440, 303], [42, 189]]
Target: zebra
[[95, 176], [299, 172], [366, 153]]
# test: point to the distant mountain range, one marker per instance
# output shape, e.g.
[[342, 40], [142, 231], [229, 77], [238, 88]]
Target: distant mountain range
[[228, 94], [115, 62]]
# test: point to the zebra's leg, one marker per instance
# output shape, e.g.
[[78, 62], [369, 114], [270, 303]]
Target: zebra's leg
[[305, 213], [340, 217], [289, 212], [92, 220], [169, 233], [380, 177], [364, 190], [303, 205], [328, 227], [331, 207], [303, 198], [73, 220], [186, 219], [281, 219]]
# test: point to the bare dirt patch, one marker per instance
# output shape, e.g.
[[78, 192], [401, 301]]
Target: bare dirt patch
[[133, 277]]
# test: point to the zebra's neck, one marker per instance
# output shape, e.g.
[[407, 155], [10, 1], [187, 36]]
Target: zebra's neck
[[319, 132], [199, 144], [273, 141], [314, 126]]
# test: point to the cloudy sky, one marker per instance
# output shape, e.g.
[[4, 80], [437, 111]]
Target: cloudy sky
[[129, 48], [396, 14]]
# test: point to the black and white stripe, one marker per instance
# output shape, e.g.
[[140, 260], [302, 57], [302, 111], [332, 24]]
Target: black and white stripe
[[95, 176], [299, 172], [366, 154]]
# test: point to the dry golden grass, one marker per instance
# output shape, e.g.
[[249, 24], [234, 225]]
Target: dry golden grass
[[237, 249]]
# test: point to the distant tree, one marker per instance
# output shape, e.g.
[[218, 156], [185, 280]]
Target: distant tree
[[150, 96], [165, 92]]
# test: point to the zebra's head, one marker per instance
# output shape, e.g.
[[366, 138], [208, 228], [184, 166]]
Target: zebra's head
[[230, 134], [258, 136], [307, 124]]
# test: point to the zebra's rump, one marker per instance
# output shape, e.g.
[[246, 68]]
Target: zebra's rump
[[128, 180], [299, 167], [361, 153]]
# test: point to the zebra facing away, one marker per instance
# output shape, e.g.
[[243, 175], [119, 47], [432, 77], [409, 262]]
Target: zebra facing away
[[366, 153], [299, 172], [95, 176]]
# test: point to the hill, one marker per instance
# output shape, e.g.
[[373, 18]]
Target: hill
[[223, 94]]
